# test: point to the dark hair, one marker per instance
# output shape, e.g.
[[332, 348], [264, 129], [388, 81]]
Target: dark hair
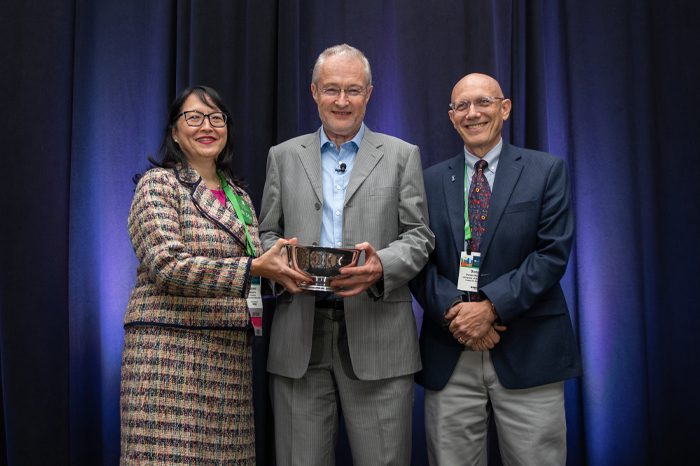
[[170, 152]]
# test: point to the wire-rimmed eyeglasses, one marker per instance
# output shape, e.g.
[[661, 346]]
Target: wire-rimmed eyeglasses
[[334, 91], [482, 103]]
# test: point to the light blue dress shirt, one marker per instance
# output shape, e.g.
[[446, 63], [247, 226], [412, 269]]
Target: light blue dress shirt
[[491, 158], [335, 184]]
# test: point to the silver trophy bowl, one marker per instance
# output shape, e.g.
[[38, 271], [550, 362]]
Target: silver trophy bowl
[[320, 264]]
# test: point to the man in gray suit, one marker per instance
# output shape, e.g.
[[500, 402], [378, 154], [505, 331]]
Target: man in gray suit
[[354, 352]]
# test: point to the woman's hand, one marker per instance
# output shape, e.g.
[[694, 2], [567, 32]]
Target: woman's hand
[[273, 265]]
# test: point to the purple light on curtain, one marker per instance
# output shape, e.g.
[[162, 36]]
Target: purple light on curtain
[[121, 99]]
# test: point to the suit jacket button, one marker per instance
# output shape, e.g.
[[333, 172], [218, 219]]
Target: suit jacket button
[[317, 206]]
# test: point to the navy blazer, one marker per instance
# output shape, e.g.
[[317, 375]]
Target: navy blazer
[[524, 253]]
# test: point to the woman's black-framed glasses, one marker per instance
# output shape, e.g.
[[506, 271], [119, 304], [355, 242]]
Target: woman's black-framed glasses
[[195, 118]]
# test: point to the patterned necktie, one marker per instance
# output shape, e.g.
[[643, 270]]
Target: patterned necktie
[[479, 197]]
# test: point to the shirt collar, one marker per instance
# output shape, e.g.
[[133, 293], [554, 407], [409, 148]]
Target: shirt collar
[[491, 156], [357, 140]]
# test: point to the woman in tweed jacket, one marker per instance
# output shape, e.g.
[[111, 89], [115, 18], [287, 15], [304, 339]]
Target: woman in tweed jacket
[[186, 390]]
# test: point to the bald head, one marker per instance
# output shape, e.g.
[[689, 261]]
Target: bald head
[[480, 124], [478, 80]]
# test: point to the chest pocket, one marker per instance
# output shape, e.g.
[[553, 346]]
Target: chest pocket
[[388, 191], [520, 207]]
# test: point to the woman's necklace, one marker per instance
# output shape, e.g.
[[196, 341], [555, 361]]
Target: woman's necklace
[[217, 186]]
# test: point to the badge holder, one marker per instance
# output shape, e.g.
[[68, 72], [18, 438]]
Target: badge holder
[[255, 306]]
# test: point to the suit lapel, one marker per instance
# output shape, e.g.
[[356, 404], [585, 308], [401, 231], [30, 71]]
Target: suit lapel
[[510, 166], [368, 155], [211, 207], [310, 157], [453, 184]]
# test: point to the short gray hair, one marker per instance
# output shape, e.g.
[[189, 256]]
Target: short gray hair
[[343, 49]]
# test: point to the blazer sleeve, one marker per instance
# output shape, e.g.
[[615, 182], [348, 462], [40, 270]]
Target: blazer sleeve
[[404, 257], [518, 290], [435, 286], [271, 214], [156, 235], [434, 292]]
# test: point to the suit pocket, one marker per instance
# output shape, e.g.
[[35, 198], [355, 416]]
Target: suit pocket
[[520, 207], [399, 295], [550, 307], [372, 215], [385, 191]]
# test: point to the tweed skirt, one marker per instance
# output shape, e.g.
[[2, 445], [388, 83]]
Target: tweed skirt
[[186, 397]]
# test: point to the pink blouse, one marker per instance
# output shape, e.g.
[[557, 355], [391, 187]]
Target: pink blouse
[[220, 195]]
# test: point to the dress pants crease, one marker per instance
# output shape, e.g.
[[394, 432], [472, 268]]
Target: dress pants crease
[[377, 412]]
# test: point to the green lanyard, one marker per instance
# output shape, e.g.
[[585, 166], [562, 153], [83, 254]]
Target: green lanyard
[[245, 215], [467, 227]]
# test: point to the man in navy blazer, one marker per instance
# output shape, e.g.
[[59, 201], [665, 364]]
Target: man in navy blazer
[[506, 354]]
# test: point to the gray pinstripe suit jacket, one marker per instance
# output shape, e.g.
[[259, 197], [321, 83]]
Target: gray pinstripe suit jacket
[[385, 206]]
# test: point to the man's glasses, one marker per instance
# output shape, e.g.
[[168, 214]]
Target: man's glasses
[[195, 118], [482, 103], [352, 91]]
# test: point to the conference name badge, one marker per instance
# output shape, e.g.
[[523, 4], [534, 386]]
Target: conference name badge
[[246, 213], [255, 306], [469, 271]]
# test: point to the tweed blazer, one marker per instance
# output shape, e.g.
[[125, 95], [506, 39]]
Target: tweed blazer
[[193, 268], [385, 206]]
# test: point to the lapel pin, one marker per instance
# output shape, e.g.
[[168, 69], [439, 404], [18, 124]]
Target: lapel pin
[[453, 178]]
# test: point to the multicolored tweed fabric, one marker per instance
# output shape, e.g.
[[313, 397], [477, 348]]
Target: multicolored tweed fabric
[[193, 271], [186, 398]]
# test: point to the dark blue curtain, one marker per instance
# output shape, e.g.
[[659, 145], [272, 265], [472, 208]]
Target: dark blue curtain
[[609, 85]]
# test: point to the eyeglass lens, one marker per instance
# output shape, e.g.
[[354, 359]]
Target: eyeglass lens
[[349, 91], [480, 103], [195, 118]]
